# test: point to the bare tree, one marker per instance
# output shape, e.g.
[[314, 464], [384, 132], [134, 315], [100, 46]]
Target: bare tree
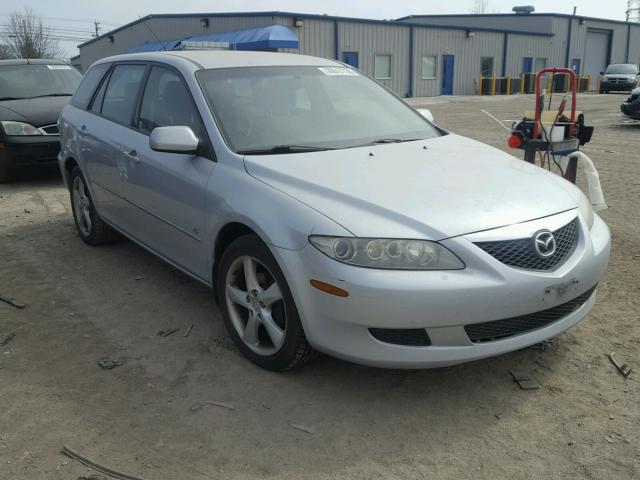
[[5, 52], [27, 36], [480, 6]]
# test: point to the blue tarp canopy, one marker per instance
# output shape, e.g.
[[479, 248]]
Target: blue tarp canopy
[[274, 36]]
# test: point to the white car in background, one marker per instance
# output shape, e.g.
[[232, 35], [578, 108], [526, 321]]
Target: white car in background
[[326, 213]]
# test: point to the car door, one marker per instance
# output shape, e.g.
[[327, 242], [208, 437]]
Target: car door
[[105, 135], [167, 190]]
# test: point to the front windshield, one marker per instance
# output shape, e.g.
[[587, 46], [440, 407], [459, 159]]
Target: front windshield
[[26, 81], [622, 69], [262, 108]]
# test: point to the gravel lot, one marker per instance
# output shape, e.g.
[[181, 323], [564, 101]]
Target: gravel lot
[[468, 421]]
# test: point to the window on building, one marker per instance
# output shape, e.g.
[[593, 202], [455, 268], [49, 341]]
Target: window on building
[[539, 64], [120, 97], [429, 66], [382, 66], [486, 66]]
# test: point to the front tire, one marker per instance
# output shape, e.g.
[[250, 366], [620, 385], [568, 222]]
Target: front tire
[[258, 308], [91, 228]]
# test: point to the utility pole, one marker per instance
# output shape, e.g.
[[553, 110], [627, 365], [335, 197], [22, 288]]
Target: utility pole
[[633, 11], [97, 27]]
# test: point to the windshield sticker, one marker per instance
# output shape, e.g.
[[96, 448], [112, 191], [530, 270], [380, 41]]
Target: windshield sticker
[[58, 67], [338, 71]]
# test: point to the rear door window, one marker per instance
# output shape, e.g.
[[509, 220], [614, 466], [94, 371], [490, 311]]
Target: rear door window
[[88, 85], [122, 91]]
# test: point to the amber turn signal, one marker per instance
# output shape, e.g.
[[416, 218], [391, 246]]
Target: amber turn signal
[[328, 288]]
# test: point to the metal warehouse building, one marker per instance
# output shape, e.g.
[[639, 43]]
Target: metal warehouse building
[[420, 55]]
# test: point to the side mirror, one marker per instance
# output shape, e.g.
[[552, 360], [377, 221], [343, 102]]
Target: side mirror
[[601, 73], [175, 139], [426, 113]]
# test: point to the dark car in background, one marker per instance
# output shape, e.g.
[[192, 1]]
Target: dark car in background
[[631, 108], [619, 77], [32, 94]]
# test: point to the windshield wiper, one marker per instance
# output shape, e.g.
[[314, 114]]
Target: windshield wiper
[[53, 95], [393, 140], [283, 149], [11, 98]]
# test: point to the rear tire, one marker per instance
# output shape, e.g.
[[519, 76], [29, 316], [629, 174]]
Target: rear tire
[[91, 228], [258, 309]]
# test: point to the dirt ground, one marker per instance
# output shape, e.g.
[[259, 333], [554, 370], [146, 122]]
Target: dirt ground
[[468, 421]]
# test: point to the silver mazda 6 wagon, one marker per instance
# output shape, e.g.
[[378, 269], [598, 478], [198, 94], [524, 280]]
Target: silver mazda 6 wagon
[[326, 213]]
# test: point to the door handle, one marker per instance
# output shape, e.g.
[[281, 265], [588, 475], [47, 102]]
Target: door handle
[[132, 156]]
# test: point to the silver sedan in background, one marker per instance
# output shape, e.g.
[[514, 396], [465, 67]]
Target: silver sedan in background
[[327, 214]]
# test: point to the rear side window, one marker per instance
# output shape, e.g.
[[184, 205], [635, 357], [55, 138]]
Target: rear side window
[[96, 105], [167, 102], [120, 96], [88, 85]]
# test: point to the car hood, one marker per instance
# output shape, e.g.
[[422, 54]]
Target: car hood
[[36, 111], [453, 187], [626, 76]]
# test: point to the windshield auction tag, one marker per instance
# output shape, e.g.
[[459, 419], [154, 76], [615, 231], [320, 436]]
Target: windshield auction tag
[[338, 71], [58, 67]]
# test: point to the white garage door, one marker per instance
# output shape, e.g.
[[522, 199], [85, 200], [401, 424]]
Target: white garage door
[[596, 53]]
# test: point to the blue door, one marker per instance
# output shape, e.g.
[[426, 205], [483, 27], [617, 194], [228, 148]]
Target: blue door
[[447, 75], [527, 65], [575, 65], [350, 58]]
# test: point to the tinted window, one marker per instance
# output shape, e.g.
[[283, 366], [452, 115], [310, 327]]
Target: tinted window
[[88, 85], [96, 105], [122, 90], [166, 101], [486, 66]]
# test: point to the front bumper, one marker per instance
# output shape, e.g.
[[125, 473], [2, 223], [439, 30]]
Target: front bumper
[[617, 86], [631, 109], [441, 302], [30, 150]]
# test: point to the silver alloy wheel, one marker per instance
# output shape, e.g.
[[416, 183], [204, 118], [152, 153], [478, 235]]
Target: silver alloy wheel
[[81, 206], [256, 306]]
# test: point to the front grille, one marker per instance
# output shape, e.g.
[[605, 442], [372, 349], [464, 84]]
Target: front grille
[[50, 129], [497, 329], [34, 152], [519, 253], [414, 337]]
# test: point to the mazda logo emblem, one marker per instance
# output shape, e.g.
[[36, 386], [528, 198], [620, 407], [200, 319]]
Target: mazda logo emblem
[[544, 243]]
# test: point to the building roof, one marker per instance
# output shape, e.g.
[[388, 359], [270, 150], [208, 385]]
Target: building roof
[[302, 16], [514, 15]]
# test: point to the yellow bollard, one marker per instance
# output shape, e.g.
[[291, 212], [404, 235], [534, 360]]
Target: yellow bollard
[[493, 85], [522, 84], [508, 84]]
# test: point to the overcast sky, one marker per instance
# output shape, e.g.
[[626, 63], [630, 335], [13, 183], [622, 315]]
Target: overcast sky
[[74, 18]]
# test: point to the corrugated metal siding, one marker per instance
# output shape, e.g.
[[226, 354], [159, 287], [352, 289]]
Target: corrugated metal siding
[[513, 22], [466, 51], [167, 28], [634, 45], [521, 46], [315, 36], [369, 39]]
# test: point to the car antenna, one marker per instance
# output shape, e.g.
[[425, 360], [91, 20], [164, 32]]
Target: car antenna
[[152, 33]]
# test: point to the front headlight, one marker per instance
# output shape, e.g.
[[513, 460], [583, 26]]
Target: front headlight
[[586, 210], [19, 128], [389, 253]]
